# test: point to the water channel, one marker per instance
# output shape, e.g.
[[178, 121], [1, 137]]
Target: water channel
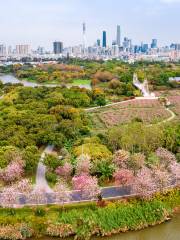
[[8, 78]]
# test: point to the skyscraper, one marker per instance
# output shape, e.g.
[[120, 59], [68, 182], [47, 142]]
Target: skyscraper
[[57, 47], [2, 50], [84, 35], [154, 43], [22, 49], [98, 42], [104, 39], [118, 37]]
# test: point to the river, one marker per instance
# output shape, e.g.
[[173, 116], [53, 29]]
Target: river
[[8, 78]]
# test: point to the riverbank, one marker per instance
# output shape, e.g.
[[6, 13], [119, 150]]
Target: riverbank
[[87, 219]]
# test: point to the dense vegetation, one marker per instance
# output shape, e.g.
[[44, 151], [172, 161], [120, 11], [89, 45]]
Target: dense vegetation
[[114, 77], [85, 220], [33, 117], [144, 158]]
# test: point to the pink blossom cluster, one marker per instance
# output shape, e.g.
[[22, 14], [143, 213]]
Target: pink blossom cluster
[[83, 165], [144, 185], [9, 197], [175, 169], [88, 186], [24, 186], [123, 177], [12, 172], [120, 158], [64, 171], [165, 155]]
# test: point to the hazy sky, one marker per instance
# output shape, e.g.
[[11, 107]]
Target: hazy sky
[[40, 22]]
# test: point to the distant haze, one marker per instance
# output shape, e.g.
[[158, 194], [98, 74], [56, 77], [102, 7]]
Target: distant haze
[[40, 22]]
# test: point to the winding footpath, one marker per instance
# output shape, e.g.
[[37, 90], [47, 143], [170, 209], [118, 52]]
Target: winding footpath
[[41, 182]]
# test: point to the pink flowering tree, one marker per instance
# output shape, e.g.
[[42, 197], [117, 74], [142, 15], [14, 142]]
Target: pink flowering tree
[[12, 172], [166, 157], [162, 178], [123, 177], [65, 171], [174, 168], [83, 165], [24, 186], [87, 185], [9, 197], [144, 184], [62, 193], [121, 158]]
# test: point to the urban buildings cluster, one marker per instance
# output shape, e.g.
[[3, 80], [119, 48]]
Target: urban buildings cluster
[[120, 48]]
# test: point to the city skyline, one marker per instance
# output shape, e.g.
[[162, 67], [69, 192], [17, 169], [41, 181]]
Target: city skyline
[[48, 21]]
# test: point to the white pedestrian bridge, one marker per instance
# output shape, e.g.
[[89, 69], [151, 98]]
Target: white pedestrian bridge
[[143, 87]]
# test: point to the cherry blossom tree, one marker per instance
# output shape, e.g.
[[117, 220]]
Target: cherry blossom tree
[[162, 178], [12, 172], [144, 184], [175, 170], [24, 186], [65, 171], [121, 158], [123, 177], [83, 165], [9, 197], [165, 156], [87, 185]]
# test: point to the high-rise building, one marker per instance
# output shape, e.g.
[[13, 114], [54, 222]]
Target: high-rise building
[[57, 47], [22, 49], [104, 44], [98, 42], [40, 50], [154, 43], [2, 50], [10, 50], [84, 35], [118, 37], [144, 47]]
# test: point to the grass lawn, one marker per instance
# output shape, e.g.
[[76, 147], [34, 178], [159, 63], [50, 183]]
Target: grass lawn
[[81, 82]]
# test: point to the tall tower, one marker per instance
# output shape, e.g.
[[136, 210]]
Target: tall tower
[[118, 36], [84, 35], [104, 39]]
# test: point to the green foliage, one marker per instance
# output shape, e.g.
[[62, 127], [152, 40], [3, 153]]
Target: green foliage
[[136, 137], [31, 157], [8, 154], [40, 212], [52, 161], [96, 151], [152, 160], [51, 177], [105, 170]]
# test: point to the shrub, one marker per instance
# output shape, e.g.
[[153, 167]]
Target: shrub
[[51, 177]]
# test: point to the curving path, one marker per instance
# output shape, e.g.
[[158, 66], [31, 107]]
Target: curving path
[[41, 182]]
